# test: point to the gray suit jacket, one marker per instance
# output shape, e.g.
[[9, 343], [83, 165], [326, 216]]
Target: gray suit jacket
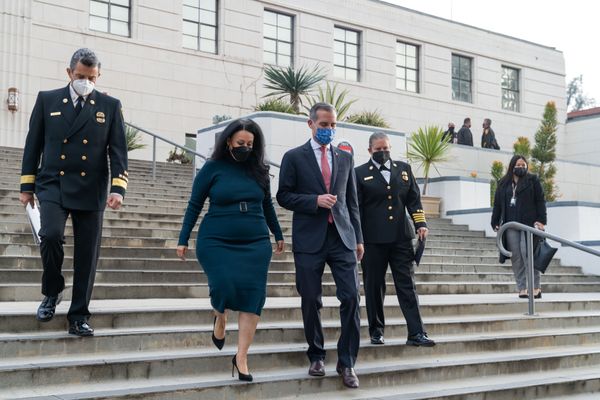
[[301, 181]]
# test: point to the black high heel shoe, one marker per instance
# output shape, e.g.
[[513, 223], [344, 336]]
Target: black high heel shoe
[[538, 295], [241, 377], [218, 342]]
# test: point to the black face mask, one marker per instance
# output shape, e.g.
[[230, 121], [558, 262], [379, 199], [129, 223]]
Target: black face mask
[[381, 157], [451, 129], [520, 171], [241, 153]]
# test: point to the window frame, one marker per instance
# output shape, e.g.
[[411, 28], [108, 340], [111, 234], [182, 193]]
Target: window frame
[[406, 68], [345, 54], [109, 5], [199, 25], [504, 89], [459, 79], [277, 40]]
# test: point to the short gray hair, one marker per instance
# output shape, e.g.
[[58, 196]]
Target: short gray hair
[[320, 106], [376, 136], [85, 56]]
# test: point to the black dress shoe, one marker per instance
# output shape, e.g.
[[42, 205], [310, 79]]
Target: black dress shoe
[[317, 368], [378, 339], [47, 308], [349, 378], [80, 328], [420, 339]]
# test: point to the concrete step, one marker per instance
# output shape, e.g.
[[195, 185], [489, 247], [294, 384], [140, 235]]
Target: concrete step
[[140, 313], [565, 384], [9, 276], [192, 336], [31, 291], [280, 262], [280, 371], [162, 252]]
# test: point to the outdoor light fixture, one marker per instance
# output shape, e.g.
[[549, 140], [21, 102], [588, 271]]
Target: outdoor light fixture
[[13, 99]]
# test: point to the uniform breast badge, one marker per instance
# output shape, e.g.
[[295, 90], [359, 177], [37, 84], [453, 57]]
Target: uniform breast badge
[[100, 117], [405, 176]]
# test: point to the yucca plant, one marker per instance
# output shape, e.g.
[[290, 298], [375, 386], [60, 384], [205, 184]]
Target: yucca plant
[[372, 118], [291, 82], [522, 147], [332, 96], [426, 148], [276, 105], [133, 139]]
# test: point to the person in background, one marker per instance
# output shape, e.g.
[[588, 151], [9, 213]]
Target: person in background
[[386, 189], [75, 132], [519, 197], [488, 138], [233, 245], [464, 135], [450, 134]]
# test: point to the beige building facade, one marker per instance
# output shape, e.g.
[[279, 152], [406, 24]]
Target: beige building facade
[[176, 64]]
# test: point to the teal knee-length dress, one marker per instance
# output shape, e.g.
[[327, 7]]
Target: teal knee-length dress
[[233, 245]]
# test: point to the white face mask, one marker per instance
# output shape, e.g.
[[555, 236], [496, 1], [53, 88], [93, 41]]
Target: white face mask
[[83, 87]]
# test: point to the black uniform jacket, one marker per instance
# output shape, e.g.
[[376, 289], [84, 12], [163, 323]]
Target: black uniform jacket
[[66, 156], [382, 205]]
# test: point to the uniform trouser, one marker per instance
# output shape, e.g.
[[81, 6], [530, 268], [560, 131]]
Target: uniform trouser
[[309, 273], [87, 232], [516, 245], [400, 257]]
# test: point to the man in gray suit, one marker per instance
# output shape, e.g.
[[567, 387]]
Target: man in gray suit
[[317, 183]]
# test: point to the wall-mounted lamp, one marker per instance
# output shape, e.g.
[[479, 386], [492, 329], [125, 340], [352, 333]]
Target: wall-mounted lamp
[[13, 99]]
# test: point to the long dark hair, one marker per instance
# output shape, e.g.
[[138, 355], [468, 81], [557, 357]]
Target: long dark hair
[[255, 165], [511, 165]]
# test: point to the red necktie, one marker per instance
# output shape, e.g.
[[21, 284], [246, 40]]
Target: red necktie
[[326, 172]]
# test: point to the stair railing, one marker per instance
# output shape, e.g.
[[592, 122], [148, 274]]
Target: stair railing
[[529, 231], [156, 137]]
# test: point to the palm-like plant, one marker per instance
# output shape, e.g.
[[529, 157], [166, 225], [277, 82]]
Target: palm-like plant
[[332, 96], [277, 105], [371, 118], [427, 148], [132, 138], [291, 82]]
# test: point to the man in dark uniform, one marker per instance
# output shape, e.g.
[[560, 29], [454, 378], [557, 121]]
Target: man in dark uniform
[[385, 189], [464, 135], [73, 130]]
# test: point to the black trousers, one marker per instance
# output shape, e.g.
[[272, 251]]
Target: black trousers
[[87, 231], [374, 265], [309, 273]]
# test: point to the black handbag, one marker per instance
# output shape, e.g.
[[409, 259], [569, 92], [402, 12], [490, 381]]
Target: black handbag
[[542, 256]]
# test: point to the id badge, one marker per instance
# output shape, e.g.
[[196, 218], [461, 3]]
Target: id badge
[[513, 201]]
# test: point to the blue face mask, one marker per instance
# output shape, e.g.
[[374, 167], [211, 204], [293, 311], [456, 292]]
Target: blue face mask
[[325, 135]]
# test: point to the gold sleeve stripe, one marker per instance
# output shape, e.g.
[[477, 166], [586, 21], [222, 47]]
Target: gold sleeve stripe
[[419, 220], [119, 182], [27, 179]]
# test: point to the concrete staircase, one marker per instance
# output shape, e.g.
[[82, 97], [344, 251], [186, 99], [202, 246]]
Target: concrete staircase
[[153, 320]]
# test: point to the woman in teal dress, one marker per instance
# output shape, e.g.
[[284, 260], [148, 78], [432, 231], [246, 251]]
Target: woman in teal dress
[[233, 245]]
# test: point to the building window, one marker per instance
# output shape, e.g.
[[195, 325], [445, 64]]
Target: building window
[[407, 67], [110, 16], [345, 56], [278, 38], [200, 25], [461, 78], [510, 89]]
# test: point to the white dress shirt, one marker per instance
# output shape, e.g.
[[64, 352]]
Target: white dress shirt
[[75, 96], [386, 173], [316, 146]]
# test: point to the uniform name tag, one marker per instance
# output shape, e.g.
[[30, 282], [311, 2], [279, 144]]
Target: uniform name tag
[[368, 178], [54, 114]]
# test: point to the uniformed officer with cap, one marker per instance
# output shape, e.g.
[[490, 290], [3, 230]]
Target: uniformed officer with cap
[[387, 188], [72, 132]]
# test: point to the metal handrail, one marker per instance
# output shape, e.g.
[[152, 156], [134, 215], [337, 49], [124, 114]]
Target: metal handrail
[[530, 231], [194, 152]]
